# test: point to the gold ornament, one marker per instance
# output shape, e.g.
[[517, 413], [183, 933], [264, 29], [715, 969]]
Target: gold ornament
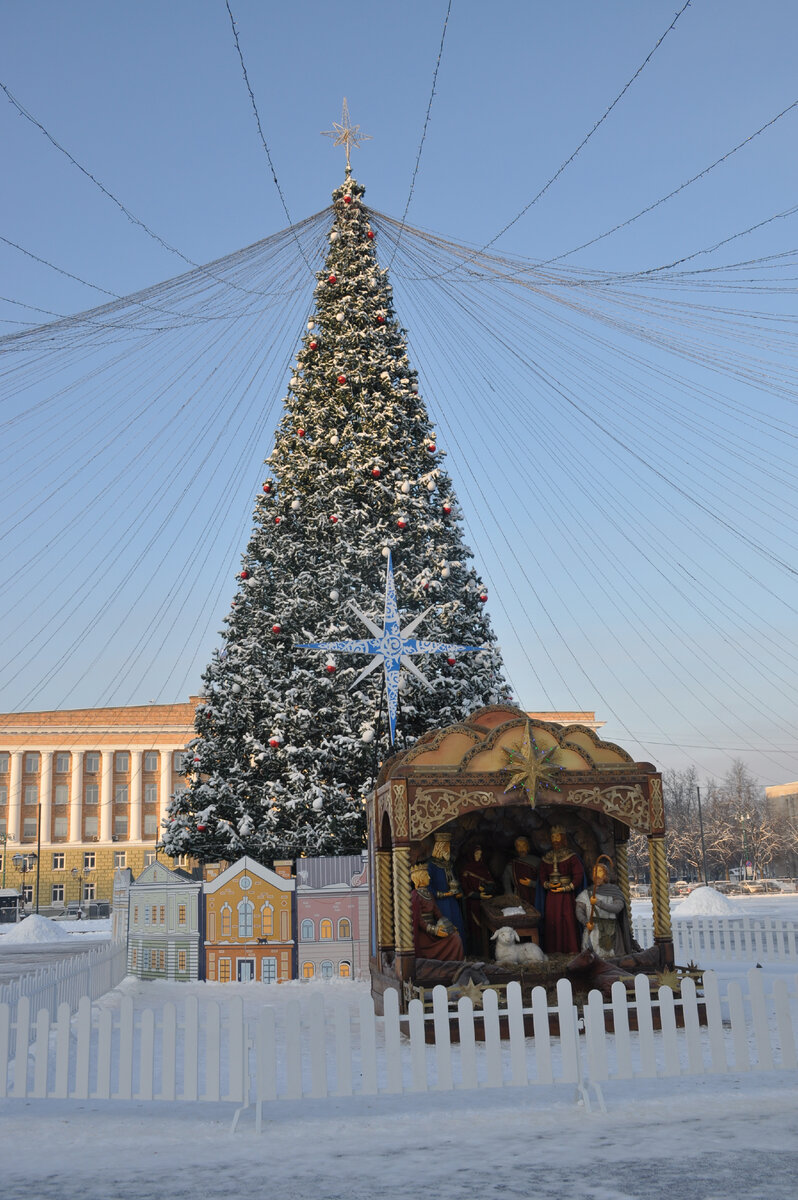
[[531, 767], [474, 992], [669, 979], [344, 134]]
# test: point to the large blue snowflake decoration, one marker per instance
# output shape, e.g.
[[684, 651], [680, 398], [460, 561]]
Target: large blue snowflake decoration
[[391, 647]]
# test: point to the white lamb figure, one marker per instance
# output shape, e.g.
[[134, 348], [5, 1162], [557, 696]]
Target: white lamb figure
[[510, 949]]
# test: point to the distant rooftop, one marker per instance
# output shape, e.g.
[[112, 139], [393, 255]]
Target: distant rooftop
[[569, 718]]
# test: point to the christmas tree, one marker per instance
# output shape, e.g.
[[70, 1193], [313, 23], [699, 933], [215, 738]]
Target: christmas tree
[[285, 752]]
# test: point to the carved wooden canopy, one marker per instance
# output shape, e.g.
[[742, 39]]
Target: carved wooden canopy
[[463, 768]]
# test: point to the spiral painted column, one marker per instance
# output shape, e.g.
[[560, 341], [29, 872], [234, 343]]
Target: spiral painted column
[[622, 873], [402, 914], [660, 896], [385, 934]]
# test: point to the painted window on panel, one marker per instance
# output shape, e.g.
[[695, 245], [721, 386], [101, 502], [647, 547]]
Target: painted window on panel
[[345, 970], [246, 917], [181, 914], [326, 970], [224, 970], [344, 928], [308, 970], [267, 921], [182, 961], [227, 920], [325, 929], [268, 970], [308, 931]]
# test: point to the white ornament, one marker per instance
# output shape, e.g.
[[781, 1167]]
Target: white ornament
[[333, 236], [334, 439], [335, 595], [294, 381], [431, 485], [406, 488], [296, 505], [252, 581], [385, 552], [367, 736], [445, 573], [318, 804], [340, 316], [236, 688], [385, 375], [311, 324]]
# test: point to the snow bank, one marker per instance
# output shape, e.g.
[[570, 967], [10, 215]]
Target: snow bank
[[35, 928], [706, 902]]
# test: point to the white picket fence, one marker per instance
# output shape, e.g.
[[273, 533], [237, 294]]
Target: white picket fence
[[210, 1052], [89, 973], [731, 939]]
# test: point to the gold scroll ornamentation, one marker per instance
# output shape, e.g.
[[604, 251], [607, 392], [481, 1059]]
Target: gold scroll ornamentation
[[658, 869], [656, 804], [626, 801], [402, 916], [399, 810], [433, 807]]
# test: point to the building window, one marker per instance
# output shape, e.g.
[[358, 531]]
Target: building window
[[181, 914], [325, 929], [150, 793], [91, 763], [307, 931], [182, 961], [268, 970], [92, 793], [27, 893], [246, 913], [120, 793], [146, 914], [3, 795], [162, 913], [224, 970], [308, 970], [120, 858], [89, 891], [135, 914], [60, 827], [3, 763], [61, 793], [150, 761], [326, 970], [31, 793], [29, 827], [157, 960], [345, 970], [267, 920], [61, 764], [89, 860], [344, 928], [90, 827], [121, 762], [150, 824], [179, 762], [134, 958], [3, 829], [57, 894], [150, 857], [31, 764], [58, 862], [227, 920], [120, 824]]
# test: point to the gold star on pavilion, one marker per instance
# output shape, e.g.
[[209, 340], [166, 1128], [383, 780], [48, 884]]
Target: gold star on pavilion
[[531, 767], [474, 992], [344, 134], [669, 978]]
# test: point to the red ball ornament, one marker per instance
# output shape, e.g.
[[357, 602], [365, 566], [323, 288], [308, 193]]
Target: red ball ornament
[[425, 584], [447, 508], [330, 668], [333, 279], [431, 448], [380, 320], [451, 660], [402, 523], [333, 518], [376, 472], [244, 575], [201, 828], [274, 742], [276, 628], [277, 520], [371, 234], [313, 345], [300, 433], [267, 487], [347, 199], [483, 597], [342, 379]]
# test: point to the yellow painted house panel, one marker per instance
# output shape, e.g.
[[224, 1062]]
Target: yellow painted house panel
[[248, 923]]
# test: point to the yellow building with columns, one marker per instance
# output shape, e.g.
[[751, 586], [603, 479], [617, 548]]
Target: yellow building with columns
[[99, 780]]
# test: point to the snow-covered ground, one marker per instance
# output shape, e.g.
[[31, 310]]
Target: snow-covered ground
[[698, 1138]]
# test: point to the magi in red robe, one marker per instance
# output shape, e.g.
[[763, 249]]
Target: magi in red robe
[[560, 932]]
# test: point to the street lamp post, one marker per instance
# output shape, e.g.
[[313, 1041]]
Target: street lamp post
[[25, 863], [80, 876], [703, 844], [744, 823]]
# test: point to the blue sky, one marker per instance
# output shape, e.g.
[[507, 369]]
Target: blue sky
[[150, 98]]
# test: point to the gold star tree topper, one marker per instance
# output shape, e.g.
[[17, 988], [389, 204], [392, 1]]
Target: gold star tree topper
[[345, 134], [531, 767]]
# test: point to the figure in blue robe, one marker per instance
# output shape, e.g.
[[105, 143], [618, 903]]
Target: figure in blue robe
[[444, 886]]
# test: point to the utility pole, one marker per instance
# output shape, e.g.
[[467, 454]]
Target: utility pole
[[703, 843]]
